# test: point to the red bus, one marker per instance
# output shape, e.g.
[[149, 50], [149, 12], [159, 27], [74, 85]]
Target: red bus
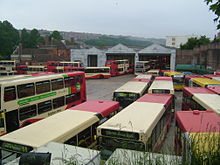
[[216, 73], [188, 102], [215, 89], [197, 136], [113, 67], [211, 76], [104, 109], [59, 66]]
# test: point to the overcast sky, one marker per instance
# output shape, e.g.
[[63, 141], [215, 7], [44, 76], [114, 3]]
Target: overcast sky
[[144, 18]]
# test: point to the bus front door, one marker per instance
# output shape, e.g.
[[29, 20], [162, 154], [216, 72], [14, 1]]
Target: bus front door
[[11, 120]]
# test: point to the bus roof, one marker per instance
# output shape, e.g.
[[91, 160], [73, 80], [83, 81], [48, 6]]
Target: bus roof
[[146, 76], [132, 86], [205, 81], [211, 76], [164, 78], [13, 77], [156, 98], [215, 89], [198, 121], [209, 102], [140, 80], [173, 73], [99, 106], [192, 90], [105, 67], [57, 128], [216, 78], [158, 84], [193, 76], [131, 118], [36, 66]]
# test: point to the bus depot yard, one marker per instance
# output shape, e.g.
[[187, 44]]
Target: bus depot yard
[[134, 120]]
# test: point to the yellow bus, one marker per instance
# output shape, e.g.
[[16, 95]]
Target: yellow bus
[[162, 85], [38, 97], [70, 127], [205, 82], [178, 79], [140, 126]]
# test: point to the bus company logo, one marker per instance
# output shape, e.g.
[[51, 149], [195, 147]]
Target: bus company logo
[[78, 87], [35, 98]]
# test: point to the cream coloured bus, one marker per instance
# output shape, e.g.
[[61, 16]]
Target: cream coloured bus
[[70, 127]]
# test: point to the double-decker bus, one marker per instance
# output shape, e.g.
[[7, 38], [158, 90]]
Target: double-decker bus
[[123, 66], [205, 82], [141, 67], [113, 67], [188, 102], [7, 73], [197, 137], [97, 72], [7, 65], [59, 66], [104, 109], [154, 72], [76, 128], [131, 91], [162, 85], [38, 97], [140, 126], [178, 79], [29, 69]]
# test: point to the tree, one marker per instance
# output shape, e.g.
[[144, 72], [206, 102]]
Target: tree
[[195, 42], [25, 38], [215, 7], [56, 35], [9, 38]]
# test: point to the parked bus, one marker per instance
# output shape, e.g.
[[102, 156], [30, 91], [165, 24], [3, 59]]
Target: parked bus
[[178, 79], [215, 89], [140, 126], [205, 82], [39, 97], [7, 73], [197, 137], [144, 76], [216, 78], [154, 72], [188, 79], [97, 72], [59, 66], [131, 91], [141, 67], [76, 128], [188, 102], [103, 109], [162, 85], [7, 65], [113, 67]]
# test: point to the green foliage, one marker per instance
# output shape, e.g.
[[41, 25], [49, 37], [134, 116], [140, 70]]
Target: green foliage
[[9, 38], [31, 39], [56, 35], [215, 7], [112, 41], [195, 42]]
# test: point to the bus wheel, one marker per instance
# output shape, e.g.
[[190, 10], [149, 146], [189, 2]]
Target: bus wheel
[[101, 76]]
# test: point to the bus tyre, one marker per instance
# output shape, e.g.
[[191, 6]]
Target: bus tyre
[[101, 76]]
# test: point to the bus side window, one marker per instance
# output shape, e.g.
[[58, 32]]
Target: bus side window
[[58, 102], [26, 90], [57, 84], [27, 112], [69, 81], [70, 98], [9, 93], [44, 106], [79, 79], [42, 87]]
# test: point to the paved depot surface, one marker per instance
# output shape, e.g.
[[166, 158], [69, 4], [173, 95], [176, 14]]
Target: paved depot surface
[[102, 89]]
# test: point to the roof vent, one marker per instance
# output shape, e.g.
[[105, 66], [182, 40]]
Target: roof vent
[[196, 112]]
